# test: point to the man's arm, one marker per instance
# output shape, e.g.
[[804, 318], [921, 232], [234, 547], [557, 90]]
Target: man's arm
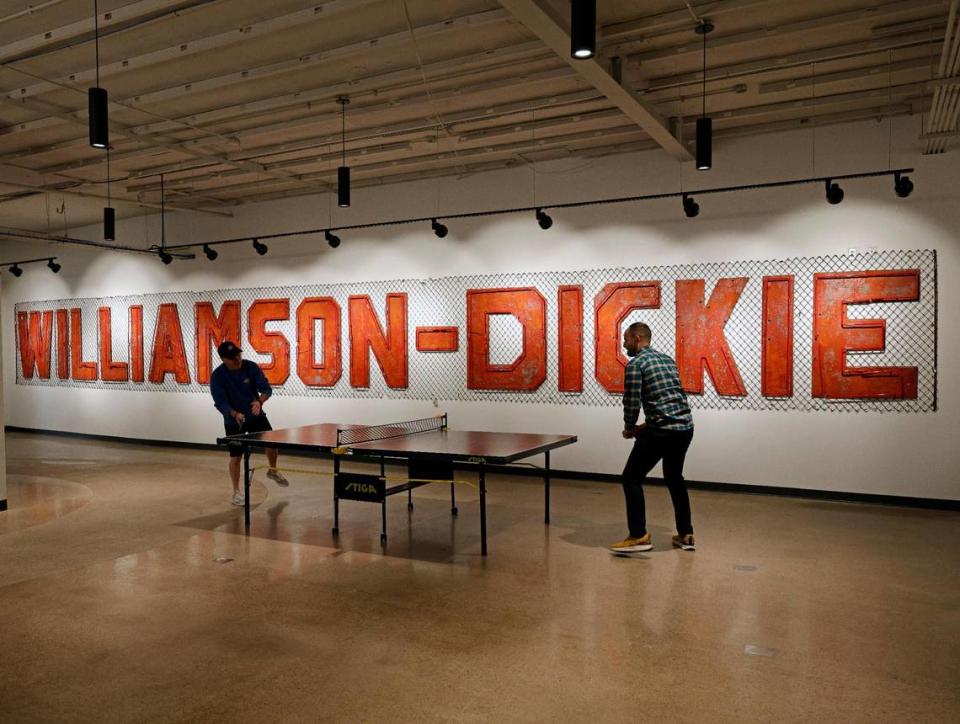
[[262, 385], [632, 402]]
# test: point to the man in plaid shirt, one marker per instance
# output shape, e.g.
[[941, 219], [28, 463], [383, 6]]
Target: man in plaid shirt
[[651, 381]]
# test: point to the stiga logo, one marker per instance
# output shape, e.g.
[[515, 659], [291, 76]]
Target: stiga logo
[[357, 486]]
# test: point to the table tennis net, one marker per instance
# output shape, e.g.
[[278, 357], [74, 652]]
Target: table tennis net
[[370, 433]]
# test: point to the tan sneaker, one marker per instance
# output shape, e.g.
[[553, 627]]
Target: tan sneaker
[[684, 542], [633, 545], [278, 477]]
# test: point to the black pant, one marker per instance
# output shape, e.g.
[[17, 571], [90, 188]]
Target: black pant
[[650, 445]]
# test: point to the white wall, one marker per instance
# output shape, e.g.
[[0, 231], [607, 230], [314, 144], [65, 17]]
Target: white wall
[[897, 454], [3, 442]]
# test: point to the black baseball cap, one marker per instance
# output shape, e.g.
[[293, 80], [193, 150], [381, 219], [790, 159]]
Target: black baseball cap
[[228, 350]]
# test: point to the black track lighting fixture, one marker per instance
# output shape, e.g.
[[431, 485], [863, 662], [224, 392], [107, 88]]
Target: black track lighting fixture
[[902, 185], [343, 172], [97, 101], [332, 239], [210, 252], [53, 266], [16, 270], [164, 256], [704, 124], [543, 218], [690, 207], [834, 192], [439, 229], [583, 29], [260, 247]]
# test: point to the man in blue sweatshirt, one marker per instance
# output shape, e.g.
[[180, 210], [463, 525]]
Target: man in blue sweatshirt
[[239, 389]]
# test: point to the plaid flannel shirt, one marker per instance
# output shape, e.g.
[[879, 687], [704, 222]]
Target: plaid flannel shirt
[[651, 381]]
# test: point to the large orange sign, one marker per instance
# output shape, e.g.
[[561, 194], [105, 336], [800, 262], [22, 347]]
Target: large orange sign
[[748, 339]]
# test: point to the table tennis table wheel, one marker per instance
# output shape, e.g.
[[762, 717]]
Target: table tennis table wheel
[[383, 539], [454, 511], [409, 506], [335, 531]]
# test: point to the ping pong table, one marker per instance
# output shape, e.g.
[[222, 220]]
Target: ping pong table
[[429, 448]]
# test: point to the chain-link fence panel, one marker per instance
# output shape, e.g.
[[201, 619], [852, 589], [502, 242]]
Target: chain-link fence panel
[[910, 332]]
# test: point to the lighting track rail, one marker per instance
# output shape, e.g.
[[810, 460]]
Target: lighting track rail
[[902, 186]]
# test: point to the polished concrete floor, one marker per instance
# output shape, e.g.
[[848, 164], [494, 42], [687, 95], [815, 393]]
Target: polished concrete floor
[[129, 593]]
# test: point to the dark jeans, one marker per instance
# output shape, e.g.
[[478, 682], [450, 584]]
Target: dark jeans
[[650, 446]]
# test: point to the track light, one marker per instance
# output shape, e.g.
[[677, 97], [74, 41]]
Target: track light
[[259, 247], [164, 257], [439, 229], [834, 193], [332, 239], [902, 185], [210, 252], [16, 271], [109, 223], [690, 207], [53, 266], [543, 218], [583, 28]]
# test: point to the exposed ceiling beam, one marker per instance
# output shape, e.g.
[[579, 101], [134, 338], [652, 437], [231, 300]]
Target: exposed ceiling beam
[[233, 36], [447, 69], [674, 20], [133, 14], [776, 63], [554, 33], [15, 178], [760, 34]]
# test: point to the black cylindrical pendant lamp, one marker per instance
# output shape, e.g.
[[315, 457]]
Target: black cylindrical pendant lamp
[[109, 223], [704, 124], [343, 186], [97, 111], [704, 143], [583, 28]]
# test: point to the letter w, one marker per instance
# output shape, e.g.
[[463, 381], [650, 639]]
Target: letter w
[[34, 330]]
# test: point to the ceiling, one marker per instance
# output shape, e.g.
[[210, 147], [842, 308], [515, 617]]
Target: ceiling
[[235, 101]]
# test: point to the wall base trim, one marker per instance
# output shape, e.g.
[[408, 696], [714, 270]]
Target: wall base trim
[[749, 489]]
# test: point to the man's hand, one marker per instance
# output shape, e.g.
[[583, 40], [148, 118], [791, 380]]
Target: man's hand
[[256, 408], [632, 432], [239, 417]]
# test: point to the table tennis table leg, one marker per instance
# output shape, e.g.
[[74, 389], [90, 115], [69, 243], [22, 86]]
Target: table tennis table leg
[[546, 488], [483, 510], [246, 487], [453, 499], [383, 514], [336, 500]]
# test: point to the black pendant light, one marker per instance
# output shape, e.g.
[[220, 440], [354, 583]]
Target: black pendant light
[[583, 29], [109, 214], [97, 96], [343, 172], [704, 124], [165, 256]]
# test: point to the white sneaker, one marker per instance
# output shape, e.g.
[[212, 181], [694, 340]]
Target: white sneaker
[[277, 477], [237, 499]]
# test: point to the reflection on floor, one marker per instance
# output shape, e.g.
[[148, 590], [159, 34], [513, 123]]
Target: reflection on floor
[[134, 595]]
